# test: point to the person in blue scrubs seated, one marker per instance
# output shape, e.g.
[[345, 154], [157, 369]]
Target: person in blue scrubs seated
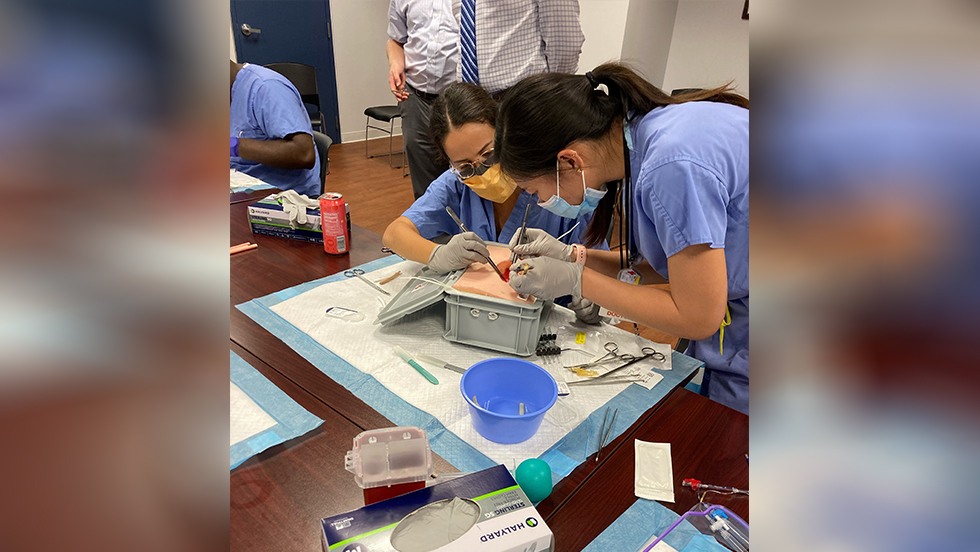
[[271, 135], [489, 203], [679, 166]]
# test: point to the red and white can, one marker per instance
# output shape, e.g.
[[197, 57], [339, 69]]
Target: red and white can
[[333, 221]]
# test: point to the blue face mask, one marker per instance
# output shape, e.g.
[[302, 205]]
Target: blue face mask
[[627, 135], [558, 206]]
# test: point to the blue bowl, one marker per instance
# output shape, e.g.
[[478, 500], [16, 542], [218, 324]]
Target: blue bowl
[[500, 386]]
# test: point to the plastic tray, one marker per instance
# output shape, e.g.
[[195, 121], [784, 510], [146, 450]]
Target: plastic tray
[[493, 323], [471, 319]]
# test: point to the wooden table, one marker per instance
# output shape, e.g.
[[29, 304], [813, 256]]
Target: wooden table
[[279, 496], [708, 442], [251, 196], [281, 263]]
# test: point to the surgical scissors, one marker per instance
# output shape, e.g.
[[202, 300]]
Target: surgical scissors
[[648, 352], [360, 274], [612, 355]]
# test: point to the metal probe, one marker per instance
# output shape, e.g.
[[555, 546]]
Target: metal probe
[[464, 229]]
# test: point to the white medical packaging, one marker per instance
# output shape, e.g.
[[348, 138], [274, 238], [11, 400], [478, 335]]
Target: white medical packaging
[[506, 521]]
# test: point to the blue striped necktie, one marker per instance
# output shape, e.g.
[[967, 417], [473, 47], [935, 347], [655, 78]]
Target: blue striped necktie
[[467, 41]]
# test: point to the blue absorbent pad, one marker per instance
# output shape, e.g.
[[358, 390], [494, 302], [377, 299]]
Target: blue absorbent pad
[[251, 184], [252, 188], [563, 457], [292, 420], [643, 520]]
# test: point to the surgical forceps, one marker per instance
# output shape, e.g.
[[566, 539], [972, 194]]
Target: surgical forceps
[[522, 233], [360, 274], [630, 376]]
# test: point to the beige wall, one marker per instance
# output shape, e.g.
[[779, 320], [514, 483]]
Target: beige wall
[[710, 46], [674, 43], [231, 37], [360, 30], [649, 30], [604, 23]]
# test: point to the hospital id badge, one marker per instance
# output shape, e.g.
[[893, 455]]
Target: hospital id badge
[[631, 277]]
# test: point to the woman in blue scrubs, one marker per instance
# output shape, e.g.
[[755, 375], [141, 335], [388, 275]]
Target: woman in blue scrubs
[[677, 170], [489, 204]]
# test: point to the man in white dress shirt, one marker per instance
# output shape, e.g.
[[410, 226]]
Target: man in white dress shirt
[[514, 39]]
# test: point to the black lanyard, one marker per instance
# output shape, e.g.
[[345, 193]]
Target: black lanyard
[[627, 257]]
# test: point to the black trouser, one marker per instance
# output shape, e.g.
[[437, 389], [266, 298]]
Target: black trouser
[[424, 157]]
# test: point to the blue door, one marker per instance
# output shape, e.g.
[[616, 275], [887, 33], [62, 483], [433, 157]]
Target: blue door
[[271, 31]]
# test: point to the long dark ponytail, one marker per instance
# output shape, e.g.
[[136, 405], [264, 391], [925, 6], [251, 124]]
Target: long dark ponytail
[[544, 113]]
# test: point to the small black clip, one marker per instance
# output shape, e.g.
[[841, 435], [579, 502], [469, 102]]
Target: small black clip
[[592, 81]]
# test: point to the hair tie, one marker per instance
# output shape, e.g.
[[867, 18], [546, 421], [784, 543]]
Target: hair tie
[[592, 81]]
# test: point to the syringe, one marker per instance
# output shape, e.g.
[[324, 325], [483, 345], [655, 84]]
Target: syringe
[[696, 486], [728, 533]]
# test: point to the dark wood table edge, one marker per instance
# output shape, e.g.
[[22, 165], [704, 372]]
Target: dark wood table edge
[[295, 384], [251, 195], [612, 448], [678, 404], [297, 392]]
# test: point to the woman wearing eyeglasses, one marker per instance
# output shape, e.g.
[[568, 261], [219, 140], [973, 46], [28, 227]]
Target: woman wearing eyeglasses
[[491, 205]]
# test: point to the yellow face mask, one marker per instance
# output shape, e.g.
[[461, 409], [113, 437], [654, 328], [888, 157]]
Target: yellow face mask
[[492, 185]]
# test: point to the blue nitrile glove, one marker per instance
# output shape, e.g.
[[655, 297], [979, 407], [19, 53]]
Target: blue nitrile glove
[[234, 146], [540, 243], [585, 311], [546, 278], [461, 250]]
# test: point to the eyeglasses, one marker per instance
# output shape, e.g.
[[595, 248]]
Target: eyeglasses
[[469, 170]]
